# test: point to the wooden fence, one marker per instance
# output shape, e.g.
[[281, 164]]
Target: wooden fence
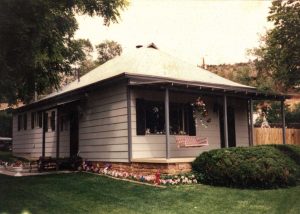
[[274, 136]]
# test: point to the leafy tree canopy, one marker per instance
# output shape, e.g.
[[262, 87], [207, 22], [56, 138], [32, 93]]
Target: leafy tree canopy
[[5, 123], [38, 45], [272, 112], [108, 50], [105, 51], [278, 57]]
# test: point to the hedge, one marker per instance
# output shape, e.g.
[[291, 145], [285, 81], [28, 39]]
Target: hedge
[[259, 166]]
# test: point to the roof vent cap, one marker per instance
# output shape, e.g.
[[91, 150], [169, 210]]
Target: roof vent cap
[[152, 45]]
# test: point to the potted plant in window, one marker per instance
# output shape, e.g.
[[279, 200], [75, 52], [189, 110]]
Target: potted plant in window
[[199, 109]]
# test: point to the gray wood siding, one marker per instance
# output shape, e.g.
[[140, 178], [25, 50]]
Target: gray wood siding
[[154, 146], [103, 134], [28, 143], [102, 130], [103, 125]]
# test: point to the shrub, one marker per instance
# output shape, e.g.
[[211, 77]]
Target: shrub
[[259, 166], [71, 163]]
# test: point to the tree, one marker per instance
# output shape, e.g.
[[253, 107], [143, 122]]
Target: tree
[[5, 123], [85, 48], [272, 112], [108, 50], [278, 56], [38, 45], [244, 73]]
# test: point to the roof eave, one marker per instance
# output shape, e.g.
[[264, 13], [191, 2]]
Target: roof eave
[[73, 94], [250, 92]]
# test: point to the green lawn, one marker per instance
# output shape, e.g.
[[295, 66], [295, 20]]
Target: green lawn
[[7, 156], [87, 193]]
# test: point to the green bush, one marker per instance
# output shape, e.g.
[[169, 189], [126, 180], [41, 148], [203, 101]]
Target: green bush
[[259, 166]]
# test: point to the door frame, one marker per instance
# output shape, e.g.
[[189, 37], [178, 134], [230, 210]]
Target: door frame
[[74, 131]]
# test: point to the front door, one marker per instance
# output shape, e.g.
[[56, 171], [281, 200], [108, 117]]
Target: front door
[[230, 124], [231, 127], [74, 128]]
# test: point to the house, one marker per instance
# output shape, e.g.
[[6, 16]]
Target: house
[[117, 113]]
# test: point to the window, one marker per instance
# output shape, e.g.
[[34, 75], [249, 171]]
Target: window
[[62, 120], [150, 118], [155, 117], [40, 119], [25, 121], [52, 121], [63, 123], [178, 119], [20, 122], [33, 118], [45, 120]]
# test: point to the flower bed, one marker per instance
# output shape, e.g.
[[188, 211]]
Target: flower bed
[[12, 164], [156, 178]]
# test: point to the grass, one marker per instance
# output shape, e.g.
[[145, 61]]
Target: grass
[[8, 157], [87, 193]]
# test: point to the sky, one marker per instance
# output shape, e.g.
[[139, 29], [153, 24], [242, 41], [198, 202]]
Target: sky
[[221, 31]]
